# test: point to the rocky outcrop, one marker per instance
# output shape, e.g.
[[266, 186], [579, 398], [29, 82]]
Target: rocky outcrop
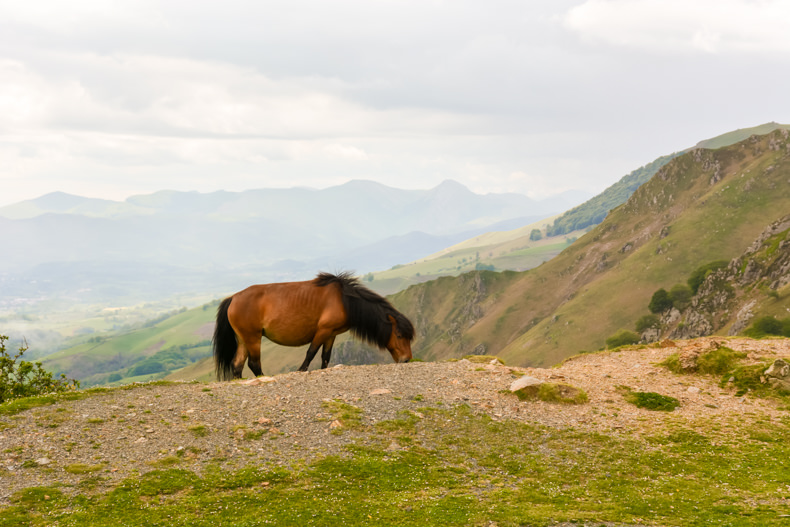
[[729, 296], [778, 375]]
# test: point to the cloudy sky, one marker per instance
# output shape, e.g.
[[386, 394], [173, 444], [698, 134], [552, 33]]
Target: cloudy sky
[[111, 98]]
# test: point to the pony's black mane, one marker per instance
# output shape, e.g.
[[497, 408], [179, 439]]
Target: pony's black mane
[[367, 311]]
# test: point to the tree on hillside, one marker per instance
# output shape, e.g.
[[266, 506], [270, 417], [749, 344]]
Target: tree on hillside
[[660, 302], [535, 235]]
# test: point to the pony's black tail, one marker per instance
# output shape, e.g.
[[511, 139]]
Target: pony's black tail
[[224, 343]]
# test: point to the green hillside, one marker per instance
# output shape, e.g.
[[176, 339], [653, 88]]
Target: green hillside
[[702, 206], [594, 210], [145, 353]]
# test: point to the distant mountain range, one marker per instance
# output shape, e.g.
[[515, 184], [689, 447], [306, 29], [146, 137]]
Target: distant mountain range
[[167, 243]]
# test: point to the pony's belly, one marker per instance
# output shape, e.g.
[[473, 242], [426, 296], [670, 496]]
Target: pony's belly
[[288, 338]]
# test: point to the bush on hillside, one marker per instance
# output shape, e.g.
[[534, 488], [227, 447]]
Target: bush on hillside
[[660, 302], [21, 378], [535, 235], [719, 361], [647, 322], [622, 338], [680, 295], [769, 326], [649, 400], [698, 276], [553, 393]]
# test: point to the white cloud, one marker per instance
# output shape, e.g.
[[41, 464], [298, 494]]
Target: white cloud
[[119, 96], [345, 151], [711, 26]]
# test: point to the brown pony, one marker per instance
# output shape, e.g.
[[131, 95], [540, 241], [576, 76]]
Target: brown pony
[[299, 313]]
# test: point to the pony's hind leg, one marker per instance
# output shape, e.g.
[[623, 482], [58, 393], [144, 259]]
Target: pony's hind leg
[[252, 356], [239, 360]]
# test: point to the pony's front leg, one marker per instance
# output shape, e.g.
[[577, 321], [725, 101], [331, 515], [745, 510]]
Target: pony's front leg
[[326, 354], [308, 358]]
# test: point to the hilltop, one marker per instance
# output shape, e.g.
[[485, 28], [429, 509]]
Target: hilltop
[[594, 210], [427, 437]]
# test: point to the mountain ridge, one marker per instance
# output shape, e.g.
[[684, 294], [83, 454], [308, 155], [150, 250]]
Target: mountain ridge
[[252, 230]]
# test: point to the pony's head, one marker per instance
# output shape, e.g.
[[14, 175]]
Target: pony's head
[[399, 343]]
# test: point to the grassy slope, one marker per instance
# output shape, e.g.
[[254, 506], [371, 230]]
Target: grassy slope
[[101, 356], [597, 286]]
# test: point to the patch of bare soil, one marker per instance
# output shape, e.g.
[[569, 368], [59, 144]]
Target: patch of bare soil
[[289, 419]]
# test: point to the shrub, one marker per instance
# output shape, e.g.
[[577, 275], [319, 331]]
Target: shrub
[[672, 363], [718, 361], [553, 393], [698, 276], [622, 338], [680, 295], [768, 325], [27, 379], [535, 235], [660, 302], [747, 378], [646, 322], [649, 400]]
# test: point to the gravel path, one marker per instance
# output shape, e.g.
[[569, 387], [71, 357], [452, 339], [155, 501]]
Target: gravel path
[[291, 418]]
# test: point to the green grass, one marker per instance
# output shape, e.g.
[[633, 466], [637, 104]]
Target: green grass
[[553, 393], [462, 469], [649, 400], [715, 362], [82, 468], [348, 415]]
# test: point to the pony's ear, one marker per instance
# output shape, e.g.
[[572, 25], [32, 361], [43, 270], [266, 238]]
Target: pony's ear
[[392, 320]]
